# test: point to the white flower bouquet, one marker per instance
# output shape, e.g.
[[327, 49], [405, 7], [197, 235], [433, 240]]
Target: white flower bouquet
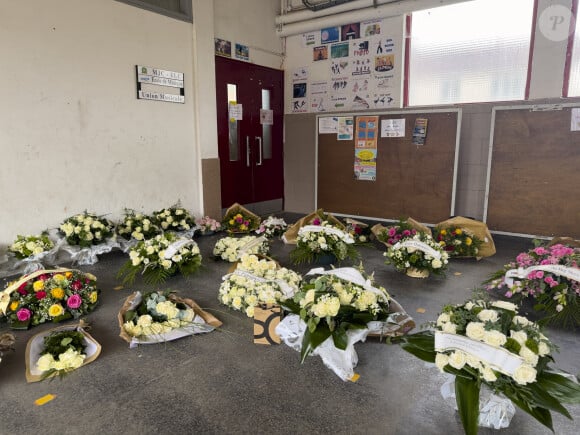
[[159, 258], [272, 227], [30, 246], [418, 255], [161, 316], [174, 219], [323, 239], [488, 343], [86, 229], [232, 248], [137, 226], [257, 281]]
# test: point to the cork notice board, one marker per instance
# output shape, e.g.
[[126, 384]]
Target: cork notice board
[[534, 173], [411, 180]]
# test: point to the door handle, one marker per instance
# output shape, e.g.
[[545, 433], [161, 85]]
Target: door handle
[[259, 138], [248, 151]]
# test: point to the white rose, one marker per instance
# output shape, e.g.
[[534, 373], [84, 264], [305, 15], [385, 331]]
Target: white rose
[[519, 336], [187, 315], [519, 320], [469, 305], [494, 338], [250, 311], [332, 306], [529, 356], [436, 264], [137, 235], [237, 302], [168, 309], [487, 316], [543, 349], [473, 361], [475, 331], [450, 328], [525, 374], [441, 360], [488, 374], [443, 318], [457, 360], [145, 320], [505, 305], [45, 362]]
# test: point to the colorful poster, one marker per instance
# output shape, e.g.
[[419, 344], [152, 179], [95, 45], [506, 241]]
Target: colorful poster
[[299, 97], [365, 148], [345, 128], [339, 50], [242, 52], [392, 127], [420, 131], [330, 34], [320, 53], [370, 28], [350, 31], [328, 125], [223, 47]]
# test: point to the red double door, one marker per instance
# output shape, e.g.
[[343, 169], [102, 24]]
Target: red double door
[[250, 148]]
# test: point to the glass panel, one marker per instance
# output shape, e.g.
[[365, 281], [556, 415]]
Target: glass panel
[[266, 128], [574, 79], [457, 56], [234, 142]]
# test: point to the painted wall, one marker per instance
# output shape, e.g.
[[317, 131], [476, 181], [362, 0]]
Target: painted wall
[[73, 135]]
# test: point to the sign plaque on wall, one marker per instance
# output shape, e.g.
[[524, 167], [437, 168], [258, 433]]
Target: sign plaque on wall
[[149, 78]]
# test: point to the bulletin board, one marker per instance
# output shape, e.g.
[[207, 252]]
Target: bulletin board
[[534, 172], [411, 180]]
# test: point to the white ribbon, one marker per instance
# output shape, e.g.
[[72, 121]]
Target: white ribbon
[[421, 246], [251, 244], [557, 269], [352, 275], [175, 247], [498, 358], [345, 237], [285, 288]]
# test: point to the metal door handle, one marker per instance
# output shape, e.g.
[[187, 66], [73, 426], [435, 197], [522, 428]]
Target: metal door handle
[[259, 138], [248, 151]]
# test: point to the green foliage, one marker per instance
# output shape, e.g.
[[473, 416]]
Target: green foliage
[[58, 342]]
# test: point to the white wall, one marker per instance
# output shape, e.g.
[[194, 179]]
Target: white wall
[[73, 135]]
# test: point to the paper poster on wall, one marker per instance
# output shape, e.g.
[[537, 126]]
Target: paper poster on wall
[[359, 85], [370, 28], [266, 117], [350, 31], [310, 39], [420, 131], [330, 34], [367, 131], [338, 101], [320, 53], [366, 171], [365, 148], [382, 99], [319, 96], [328, 125], [384, 63], [300, 74], [223, 47], [339, 50], [235, 112], [299, 97], [361, 101], [361, 67], [383, 46], [392, 128], [345, 128], [242, 52], [575, 123], [360, 48]]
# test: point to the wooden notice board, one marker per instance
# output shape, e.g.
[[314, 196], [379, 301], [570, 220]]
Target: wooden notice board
[[411, 180], [534, 176]]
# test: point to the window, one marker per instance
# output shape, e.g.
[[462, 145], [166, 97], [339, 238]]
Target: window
[[574, 77], [179, 9], [470, 52]]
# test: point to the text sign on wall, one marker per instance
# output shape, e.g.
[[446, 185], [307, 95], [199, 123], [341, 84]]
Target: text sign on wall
[[149, 76]]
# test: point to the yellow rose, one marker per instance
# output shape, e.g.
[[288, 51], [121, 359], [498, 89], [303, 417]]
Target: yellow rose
[[93, 297], [458, 231], [442, 243], [68, 275], [231, 221], [38, 285], [58, 277], [14, 305], [57, 293], [443, 232], [55, 310], [468, 241]]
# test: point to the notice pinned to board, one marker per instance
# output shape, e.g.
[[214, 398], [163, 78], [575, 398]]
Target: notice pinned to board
[[236, 112], [420, 131], [392, 127], [345, 128], [328, 125]]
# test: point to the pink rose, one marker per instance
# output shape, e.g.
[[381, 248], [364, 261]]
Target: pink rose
[[406, 233], [23, 314], [316, 221], [392, 231], [74, 302], [540, 250]]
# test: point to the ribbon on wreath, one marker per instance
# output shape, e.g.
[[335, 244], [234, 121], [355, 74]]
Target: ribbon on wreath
[[557, 269], [345, 237], [418, 245]]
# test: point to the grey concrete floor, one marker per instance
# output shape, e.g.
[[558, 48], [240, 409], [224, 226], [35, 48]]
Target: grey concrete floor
[[223, 383]]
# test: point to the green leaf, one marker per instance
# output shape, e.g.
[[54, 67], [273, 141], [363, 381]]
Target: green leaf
[[65, 341], [467, 398], [421, 344], [340, 338], [541, 414], [546, 400], [559, 386], [312, 340]]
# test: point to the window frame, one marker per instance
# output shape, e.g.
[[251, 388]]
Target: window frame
[[185, 14], [570, 50]]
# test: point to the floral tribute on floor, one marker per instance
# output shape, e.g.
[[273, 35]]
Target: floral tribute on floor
[[418, 256], [231, 249], [324, 243]]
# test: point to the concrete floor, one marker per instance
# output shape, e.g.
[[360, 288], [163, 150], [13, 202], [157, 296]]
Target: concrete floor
[[223, 383]]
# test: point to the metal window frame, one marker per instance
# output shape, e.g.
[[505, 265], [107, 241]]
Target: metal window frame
[[185, 13]]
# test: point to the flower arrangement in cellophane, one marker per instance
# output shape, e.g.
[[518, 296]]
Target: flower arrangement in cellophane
[[419, 252], [458, 242], [49, 295], [360, 232], [548, 275], [208, 225], [86, 229], [321, 239], [238, 219], [395, 233], [137, 226], [232, 248], [257, 281], [174, 218], [272, 227], [159, 258], [488, 343], [30, 245]]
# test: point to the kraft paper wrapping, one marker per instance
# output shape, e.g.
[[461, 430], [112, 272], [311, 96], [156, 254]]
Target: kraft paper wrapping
[[479, 229], [266, 318], [238, 208], [379, 228], [207, 317], [291, 233], [566, 241]]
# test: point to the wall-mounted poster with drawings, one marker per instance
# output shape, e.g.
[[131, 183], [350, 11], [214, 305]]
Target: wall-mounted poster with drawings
[[339, 50], [320, 53], [330, 34], [350, 31], [365, 148], [319, 96], [370, 28], [299, 97]]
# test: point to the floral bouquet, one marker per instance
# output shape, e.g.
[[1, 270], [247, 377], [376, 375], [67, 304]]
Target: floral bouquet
[[360, 232], [334, 309], [86, 230], [320, 241], [159, 258], [208, 225], [272, 227], [257, 281], [458, 242], [232, 248], [550, 276], [403, 229], [174, 219], [315, 218], [58, 351], [238, 219], [54, 295], [488, 343], [161, 316], [417, 256], [137, 226], [31, 246]]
